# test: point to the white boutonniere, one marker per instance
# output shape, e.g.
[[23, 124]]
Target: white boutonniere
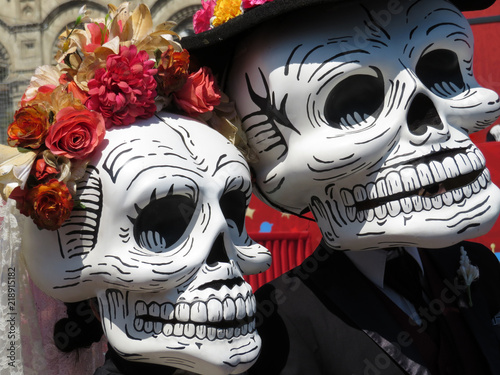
[[467, 273]]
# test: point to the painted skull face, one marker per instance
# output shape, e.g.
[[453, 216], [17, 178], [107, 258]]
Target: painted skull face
[[160, 240], [361, 114]]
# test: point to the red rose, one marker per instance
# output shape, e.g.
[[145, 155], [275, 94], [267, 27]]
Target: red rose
[[199, 94], [172, 70], [29, 127], [75, 133], [51, 204], [125, 89]]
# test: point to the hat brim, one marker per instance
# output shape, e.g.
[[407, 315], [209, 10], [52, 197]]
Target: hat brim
[[274, 9]]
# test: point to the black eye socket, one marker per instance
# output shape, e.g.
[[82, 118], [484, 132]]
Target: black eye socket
[[439, 71], [233, 206], [163, 221], [354, 100]]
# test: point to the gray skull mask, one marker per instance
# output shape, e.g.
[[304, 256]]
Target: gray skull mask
[[361, 113], [160, 241]]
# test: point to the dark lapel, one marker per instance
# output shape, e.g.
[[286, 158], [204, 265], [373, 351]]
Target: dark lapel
[[344, 286], [478, 317]]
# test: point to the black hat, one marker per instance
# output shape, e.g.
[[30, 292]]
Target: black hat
[[257, 15]]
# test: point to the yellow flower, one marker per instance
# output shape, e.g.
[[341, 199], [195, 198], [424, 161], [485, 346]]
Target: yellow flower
[[225, 10]]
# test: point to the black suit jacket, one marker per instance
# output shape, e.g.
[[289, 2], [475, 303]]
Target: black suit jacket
[[324, 317]]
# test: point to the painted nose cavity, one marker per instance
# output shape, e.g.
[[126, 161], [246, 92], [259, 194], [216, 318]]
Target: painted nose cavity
[[218, 252], [423, 115]]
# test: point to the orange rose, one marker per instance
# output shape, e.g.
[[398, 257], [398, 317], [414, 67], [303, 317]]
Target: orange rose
[[172, 70], [29, 128], [75, 133], [199, 94], [51, 204]]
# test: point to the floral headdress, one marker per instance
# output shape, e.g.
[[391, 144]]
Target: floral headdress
[[217, 12], [109, 73]]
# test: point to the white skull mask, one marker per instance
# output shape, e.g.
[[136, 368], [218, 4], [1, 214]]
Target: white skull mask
[[161, 242], [361, 114]]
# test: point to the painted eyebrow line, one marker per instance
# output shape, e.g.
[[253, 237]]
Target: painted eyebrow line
[[175, 167], [221, 164], [342, 54], [243, 184], [305, 57], [443, 24], [339, 74]]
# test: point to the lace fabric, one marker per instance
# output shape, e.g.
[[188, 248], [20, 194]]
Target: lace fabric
[[27, 315]]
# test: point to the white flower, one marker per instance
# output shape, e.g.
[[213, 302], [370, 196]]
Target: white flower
[[83, 15], [15, 168], [83, 10], [467, 272]]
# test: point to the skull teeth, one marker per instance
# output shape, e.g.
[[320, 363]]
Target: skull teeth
[[425, 186], [214, 319]]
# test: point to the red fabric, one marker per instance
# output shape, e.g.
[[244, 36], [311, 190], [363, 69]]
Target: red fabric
[[288, 250]]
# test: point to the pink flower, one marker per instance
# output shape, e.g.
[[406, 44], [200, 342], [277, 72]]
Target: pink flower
[[199, 94], [75, 133], [201, 19], [99, 35], [126, 89], [253, 3]]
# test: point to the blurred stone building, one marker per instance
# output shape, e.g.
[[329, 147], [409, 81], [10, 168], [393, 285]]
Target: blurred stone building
[[29, 30]]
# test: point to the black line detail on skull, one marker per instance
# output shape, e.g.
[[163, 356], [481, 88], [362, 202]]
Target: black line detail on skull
[[274, 115], [188, 144], [287, 65], [278, 186], [338, 56], [375, 26], [304, 59], [78, 271], [223, 161], [207, 215], [81, 229], [121, 261], [110, 168], [414, 80], [465, 213], [161, 166]]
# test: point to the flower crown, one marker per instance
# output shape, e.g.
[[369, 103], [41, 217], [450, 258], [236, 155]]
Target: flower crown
[[108, 73], [217, 12]]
